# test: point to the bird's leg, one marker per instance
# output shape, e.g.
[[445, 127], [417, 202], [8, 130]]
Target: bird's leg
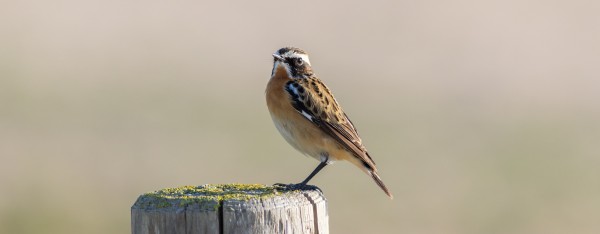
[[313, 173], [303, 185]]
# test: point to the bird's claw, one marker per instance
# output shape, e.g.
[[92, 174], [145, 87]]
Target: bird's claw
[[293, 187]]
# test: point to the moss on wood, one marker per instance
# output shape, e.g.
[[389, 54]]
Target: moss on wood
[[209, 196]]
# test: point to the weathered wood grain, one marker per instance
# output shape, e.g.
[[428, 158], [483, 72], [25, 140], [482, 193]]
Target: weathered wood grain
[[230, 208]]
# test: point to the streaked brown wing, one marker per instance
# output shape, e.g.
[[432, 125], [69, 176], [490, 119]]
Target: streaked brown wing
[[311, 98]]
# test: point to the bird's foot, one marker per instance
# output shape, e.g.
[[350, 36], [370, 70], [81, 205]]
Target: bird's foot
[[293, 187]]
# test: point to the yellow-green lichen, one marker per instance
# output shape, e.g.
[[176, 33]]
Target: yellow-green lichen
[[204, 196]]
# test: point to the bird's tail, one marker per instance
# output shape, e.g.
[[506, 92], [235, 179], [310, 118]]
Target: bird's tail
[[381, 184]]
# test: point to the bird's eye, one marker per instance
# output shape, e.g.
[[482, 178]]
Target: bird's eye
[[299, 61]]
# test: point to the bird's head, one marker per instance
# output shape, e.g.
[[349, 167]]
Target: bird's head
[[294, 61]]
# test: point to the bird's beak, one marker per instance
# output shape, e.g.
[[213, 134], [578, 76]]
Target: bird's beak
[[278, 57]]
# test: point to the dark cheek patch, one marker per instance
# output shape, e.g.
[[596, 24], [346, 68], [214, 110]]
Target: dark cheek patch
[[294, 71]]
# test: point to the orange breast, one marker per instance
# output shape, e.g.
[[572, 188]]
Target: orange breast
[[296, 129]]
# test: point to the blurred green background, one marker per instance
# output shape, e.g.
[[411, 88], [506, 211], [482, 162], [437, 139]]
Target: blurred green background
[[483, 116]]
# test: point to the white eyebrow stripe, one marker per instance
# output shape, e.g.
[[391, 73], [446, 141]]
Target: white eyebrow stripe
[[304, 57]]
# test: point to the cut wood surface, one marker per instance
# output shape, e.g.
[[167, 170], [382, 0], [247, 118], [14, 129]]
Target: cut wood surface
[[230, 208]]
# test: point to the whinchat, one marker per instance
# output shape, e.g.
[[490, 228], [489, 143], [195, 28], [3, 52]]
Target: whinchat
[[310, 119]]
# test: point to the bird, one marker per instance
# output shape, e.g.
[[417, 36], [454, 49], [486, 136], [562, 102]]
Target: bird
[[310, 119]]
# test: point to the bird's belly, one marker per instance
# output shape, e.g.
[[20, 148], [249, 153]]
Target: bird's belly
[[297, 137], [311, 141], [308, 140]]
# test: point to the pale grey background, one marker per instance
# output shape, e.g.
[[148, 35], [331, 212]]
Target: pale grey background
[[483, 116]]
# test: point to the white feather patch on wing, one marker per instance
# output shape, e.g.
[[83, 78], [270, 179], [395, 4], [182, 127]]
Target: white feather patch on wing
[[307, 115], [297, 93], [293, 89]]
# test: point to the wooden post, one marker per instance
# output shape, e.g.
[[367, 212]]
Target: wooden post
[[230, 208]]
